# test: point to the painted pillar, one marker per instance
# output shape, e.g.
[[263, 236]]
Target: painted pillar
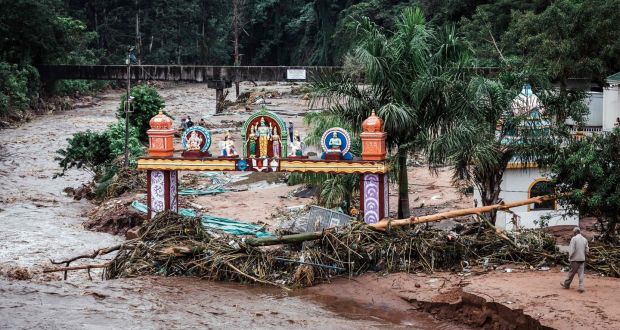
[[374, 193], [161, 185], [374, 188], [162, 191]]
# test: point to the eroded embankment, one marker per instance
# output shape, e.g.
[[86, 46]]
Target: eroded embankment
[[476, 311]]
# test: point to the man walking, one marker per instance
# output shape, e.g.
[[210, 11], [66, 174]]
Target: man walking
[[577, 251]]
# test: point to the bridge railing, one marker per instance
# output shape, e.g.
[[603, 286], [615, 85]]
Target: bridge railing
[[193, 73]]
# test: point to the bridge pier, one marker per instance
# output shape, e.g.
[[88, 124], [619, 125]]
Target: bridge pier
[[219, 86], [218, 98]]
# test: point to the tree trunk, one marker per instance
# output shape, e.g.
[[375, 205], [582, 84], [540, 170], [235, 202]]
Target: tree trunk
[[403, 186], [489, 193]]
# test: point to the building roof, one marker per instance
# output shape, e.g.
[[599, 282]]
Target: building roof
[[614, 77]]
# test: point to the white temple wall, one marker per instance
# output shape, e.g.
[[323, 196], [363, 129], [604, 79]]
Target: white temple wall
[[515, 187], [611, 107]]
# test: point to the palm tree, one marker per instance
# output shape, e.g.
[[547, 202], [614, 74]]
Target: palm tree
[[504, 122], [413, 77]]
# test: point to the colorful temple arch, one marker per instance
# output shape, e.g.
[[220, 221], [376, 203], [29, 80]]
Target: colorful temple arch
[[265, 137]]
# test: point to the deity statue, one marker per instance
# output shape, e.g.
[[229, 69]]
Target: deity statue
[[335, 143], [296, 146], [276, 142], [264, 135], [194, 141], [252, 142], [227, 146]]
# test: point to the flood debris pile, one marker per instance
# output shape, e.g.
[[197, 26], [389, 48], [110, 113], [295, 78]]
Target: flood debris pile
[[173, 245]]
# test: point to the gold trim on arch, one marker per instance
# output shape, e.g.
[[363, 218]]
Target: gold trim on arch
[[521, 165], [529, 193]]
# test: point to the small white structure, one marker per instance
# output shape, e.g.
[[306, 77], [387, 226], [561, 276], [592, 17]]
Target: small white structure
[[522, 181]]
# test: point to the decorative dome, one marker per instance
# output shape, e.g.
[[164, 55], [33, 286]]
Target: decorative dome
[[372, 124], [160, 121], [526, 101]]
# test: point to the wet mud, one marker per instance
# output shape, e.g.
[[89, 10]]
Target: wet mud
[[39, 222]]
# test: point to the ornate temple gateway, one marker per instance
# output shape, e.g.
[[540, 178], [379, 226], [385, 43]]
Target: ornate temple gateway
[[265, 148]]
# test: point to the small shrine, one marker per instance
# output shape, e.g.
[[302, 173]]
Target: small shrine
[[336, 144], [264, 135], [265, 148]]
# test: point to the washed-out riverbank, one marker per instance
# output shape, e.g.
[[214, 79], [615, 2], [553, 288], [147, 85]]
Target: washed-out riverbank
[[38, 222]]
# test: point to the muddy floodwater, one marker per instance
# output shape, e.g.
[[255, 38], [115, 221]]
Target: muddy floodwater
[[38, 222]]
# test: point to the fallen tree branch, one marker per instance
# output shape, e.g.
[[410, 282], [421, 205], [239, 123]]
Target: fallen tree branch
[[254, 278], [382, 225], [64, 269], [95, 254]]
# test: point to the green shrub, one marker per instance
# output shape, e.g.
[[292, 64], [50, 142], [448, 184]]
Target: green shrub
[[116, 135], [96, 152], [18, 87], [587, 176], [146, 104], [87, 150]]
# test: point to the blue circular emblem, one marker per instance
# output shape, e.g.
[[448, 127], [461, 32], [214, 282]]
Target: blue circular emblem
[[242, 164], [336, 138], [196, 138]]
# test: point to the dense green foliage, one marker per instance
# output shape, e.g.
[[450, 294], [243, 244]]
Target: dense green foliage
[[86, 150], [584, 42], [97, 151], [588, 170], [414, 76], [146, 103], [18, 87]]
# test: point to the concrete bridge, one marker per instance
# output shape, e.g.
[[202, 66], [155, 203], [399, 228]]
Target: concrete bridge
[[211, 75], [216, 77]]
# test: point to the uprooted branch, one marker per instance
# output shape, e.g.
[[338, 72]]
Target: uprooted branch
[[94, 254], [64, 269]]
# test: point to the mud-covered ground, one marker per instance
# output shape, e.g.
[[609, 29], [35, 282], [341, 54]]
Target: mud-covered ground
[[38, 222]]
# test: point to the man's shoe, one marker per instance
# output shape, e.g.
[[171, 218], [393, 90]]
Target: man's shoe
[[564, 286], [581, 290]]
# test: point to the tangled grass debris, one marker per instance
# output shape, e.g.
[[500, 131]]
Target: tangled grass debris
[[173, 245]]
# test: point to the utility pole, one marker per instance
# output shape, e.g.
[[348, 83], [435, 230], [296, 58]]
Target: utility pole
[[127, 105], [138, 36], [236, 27], [138, 39]]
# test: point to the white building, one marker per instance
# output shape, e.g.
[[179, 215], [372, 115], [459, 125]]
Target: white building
[[522, 182]]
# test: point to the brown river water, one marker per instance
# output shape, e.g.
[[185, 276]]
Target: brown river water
[[38, 222]]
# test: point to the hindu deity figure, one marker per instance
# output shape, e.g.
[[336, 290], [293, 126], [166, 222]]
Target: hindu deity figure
[[264, 135], [296, 146], [335, 143], [252, 142], [276, 142], [194, 141], [227, 146], [230, 146]]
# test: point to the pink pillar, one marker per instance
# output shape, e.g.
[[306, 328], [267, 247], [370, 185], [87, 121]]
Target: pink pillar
[[161, 191], [374, 197]]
